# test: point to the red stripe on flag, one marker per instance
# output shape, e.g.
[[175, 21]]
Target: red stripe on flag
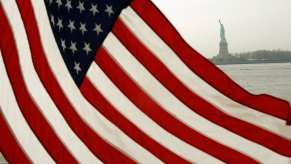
[[32, 115], [202, 67], [161, 117], [94, 142], [193, 101], [8, 145]]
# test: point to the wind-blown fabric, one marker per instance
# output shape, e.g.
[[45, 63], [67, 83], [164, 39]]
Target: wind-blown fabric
[[147, 97]]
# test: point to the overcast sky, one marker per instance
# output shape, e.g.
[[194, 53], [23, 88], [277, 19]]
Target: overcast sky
[[249, 24]]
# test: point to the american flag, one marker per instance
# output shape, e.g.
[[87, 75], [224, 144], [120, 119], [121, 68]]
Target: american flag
[[112, 81]]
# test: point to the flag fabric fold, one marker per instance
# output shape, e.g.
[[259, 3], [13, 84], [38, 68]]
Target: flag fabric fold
[[114, 82]]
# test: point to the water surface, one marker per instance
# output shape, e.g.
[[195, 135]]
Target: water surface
[[272, 78]]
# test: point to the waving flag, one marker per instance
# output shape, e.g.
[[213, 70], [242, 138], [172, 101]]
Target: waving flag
[[92, 82]]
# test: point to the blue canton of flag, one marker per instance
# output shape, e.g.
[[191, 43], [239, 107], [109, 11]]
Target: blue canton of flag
[[80, 27]]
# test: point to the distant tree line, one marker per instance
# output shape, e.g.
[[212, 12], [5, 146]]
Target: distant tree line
[[264, 56]]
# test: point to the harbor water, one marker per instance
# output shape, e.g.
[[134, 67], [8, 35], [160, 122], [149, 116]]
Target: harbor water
[[272, 78]]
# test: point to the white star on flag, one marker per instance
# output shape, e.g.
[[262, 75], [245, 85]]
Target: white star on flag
[[94, 9], [98, 29], [109, 10], [77, 67], [87, 48]]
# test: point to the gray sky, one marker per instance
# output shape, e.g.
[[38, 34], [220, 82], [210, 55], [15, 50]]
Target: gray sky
[[249, 24]]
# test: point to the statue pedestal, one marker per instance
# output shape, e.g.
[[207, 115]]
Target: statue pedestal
[[223, 48]]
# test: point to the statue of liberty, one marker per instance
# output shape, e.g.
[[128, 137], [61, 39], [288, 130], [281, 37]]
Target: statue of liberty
[[223, 46], [222, 32]]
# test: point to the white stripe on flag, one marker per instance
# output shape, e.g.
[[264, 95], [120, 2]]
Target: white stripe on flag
[[91, 116], [21, 130]]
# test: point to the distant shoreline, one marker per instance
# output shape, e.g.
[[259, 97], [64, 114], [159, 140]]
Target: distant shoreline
[[229, 63], [255, 57]]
